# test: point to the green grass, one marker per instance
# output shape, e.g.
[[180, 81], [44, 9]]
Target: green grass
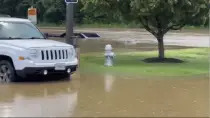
[[130, 63]]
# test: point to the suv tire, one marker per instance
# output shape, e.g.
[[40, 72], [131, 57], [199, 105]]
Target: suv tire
[[7, 72]]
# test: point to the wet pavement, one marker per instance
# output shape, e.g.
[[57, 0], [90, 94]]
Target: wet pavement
[[106, 96]]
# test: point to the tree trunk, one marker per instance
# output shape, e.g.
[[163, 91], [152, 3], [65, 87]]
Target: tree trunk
[[161, 48]]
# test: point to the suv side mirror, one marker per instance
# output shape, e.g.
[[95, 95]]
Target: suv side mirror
[[46, 35]]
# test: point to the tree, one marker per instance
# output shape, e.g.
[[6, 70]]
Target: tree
[[103, 11], [8, 6], [41, 9], [160, 16], [56, 11]]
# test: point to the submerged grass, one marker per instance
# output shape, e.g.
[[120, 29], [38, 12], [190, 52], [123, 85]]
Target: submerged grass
[[131, 63]]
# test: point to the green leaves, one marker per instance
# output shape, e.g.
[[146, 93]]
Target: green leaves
[[160, 16], [114, 11], [101, 10]]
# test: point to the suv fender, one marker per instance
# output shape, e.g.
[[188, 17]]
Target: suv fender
[[10, 53]]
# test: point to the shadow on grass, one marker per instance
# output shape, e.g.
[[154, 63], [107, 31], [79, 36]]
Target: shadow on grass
[[165, 60]]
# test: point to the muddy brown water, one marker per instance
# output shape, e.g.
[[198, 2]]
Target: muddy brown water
[[89, 46], [106, 96], [193, 38]]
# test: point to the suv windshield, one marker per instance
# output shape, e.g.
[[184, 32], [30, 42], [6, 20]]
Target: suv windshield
[[14, 30]]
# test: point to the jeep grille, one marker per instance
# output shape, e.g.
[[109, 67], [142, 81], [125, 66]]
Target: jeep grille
[[55, 54]]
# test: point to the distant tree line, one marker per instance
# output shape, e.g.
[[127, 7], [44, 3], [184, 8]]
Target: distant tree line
[[86, 11]]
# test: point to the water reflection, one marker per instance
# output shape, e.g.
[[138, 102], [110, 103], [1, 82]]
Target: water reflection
[[118, 96], [38, 100], [109, 81], [106, 95]]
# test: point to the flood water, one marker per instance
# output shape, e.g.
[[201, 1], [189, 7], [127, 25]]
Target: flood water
[[106, 96], [179, 38]]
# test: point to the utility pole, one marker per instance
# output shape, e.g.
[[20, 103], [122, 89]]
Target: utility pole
[[32, 3], [70, 23], [70, 39]]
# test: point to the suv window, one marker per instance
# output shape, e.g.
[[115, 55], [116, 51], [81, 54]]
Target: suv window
[[15, 30]]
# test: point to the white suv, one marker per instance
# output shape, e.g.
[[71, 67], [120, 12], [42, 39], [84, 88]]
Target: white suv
[[24, 51]]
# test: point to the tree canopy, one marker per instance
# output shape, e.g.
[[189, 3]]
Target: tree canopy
[[87, 11], [159, 16]]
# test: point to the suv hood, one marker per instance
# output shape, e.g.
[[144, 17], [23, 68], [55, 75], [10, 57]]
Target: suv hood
[[34, 43]]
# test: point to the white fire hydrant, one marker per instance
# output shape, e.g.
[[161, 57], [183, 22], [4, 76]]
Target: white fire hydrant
[[109, 55]]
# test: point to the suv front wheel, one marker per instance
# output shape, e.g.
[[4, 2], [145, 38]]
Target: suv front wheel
[[7, 73]]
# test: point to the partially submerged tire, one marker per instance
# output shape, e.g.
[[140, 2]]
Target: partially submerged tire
[[7, 72]]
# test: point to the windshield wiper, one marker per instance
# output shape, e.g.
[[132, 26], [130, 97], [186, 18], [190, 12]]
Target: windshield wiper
[[3, 38], [10, 38], [35, 38], [15, 38]]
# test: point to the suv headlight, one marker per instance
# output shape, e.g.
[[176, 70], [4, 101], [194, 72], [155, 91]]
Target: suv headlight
[[72, 52], [34, 53]]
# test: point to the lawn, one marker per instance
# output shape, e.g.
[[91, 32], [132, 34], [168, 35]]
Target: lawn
[[130, 63]]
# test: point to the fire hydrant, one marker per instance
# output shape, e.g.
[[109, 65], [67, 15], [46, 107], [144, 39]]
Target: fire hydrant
[[109, 55]]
